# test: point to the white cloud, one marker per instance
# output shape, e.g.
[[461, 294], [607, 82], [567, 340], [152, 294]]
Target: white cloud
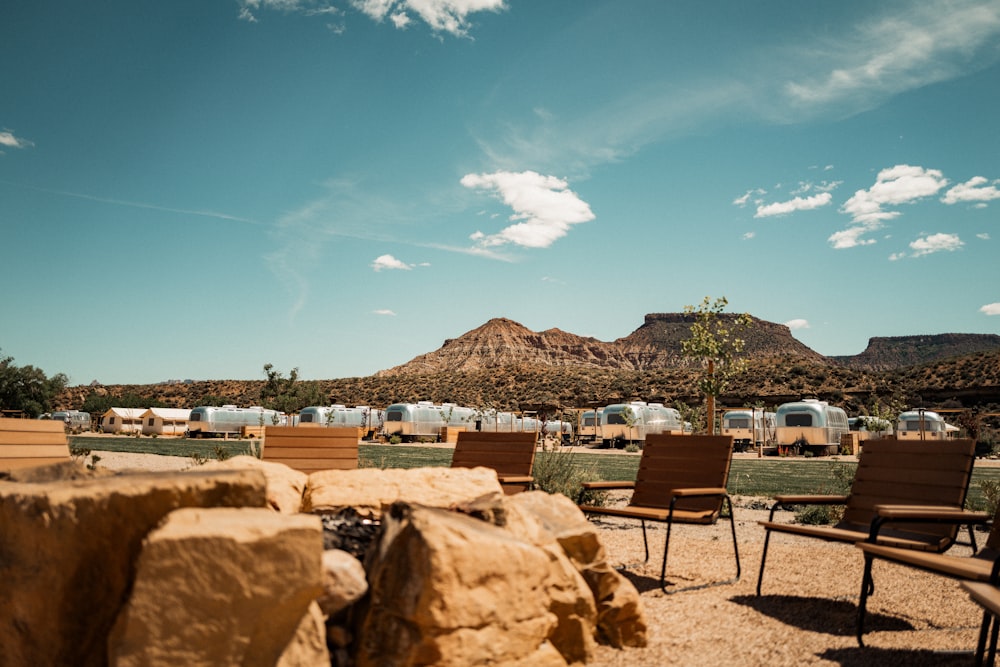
[[544, 208], [792, 205], [797, 324], [901, 184], [742, 201], [936, 243], [984, 236], [8, 139], [990, 309], [896, 256], [384, 311], [451, 16], [930, 42], [749, 235], [973, 190], [388, 262]]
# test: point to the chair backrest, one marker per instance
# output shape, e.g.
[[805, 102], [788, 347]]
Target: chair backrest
[[312, 449], [31, 442], [910, 472], [682, 461], [509, 453]]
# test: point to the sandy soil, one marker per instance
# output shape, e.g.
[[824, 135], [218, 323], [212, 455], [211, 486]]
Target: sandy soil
[[805, 616]]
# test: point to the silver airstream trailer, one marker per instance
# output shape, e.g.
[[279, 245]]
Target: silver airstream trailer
[[590, 426], [412, 421], [749, 428], [809, 426], [626, 423], [923, 425], [210, 420], [366, 418], [75, 421]]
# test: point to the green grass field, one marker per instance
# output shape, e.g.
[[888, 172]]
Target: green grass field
[[748, 477]]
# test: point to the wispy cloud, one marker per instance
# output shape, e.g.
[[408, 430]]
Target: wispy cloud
[[441, 16], [797, 324], [384, 311], [990, 309], [8, 139], [134, 204], [927, 43], [976, 189], [933, 243], [389, 263], [544, 208], [792, 205]]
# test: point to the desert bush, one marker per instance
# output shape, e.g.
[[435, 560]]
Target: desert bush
[[840, 480], [556, 471], [991, 493]]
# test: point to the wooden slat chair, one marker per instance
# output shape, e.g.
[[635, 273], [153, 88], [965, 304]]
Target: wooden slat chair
[[312, 449], [31, 442], [983, 566], [891, 472], [986, 596], [511, 454], [681, 479]]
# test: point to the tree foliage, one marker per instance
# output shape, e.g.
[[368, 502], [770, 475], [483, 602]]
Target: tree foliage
[[27, 389], [716, 347], [288, 394]]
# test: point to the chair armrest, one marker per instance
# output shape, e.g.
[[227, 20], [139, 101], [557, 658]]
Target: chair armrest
[[923, 514], [930, 513], [606, 486], [516, 479], [699, 491]]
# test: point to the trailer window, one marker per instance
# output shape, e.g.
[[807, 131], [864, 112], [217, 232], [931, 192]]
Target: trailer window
[[394, 416], [801, 419], [616, 418], [739, 423]]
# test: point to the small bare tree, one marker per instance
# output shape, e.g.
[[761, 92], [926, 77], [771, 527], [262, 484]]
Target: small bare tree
[[716, 348]]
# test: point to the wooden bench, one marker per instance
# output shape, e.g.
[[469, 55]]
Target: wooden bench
[[511, 454], [312, 449], [31, 442]]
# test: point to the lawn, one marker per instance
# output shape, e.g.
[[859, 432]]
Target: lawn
[[764, 477]]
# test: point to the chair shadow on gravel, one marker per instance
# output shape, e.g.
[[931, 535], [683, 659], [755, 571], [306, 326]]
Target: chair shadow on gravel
[[832, 617], [896, 657], [649, 584]]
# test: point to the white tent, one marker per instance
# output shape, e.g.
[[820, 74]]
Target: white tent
[[122, 420], [165, 421]]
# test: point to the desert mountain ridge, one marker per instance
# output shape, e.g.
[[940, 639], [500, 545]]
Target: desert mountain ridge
[[505, 365], [657, 345]]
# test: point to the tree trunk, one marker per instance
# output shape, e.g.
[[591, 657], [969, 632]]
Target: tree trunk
[[710, 401]]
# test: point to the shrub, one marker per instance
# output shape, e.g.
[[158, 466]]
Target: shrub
[[555, 471], [841, 478], [991, 492], [221, 453]]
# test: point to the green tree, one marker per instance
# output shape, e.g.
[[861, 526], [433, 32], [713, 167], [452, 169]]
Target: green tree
[[715, 348], [27, 389], [288, 394]]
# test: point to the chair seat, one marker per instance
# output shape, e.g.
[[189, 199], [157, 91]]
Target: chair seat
[[703, 517], [976, 568]]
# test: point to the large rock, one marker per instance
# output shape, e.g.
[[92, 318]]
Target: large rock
[[285, 485], [222, 587], [371, 491], [344, 581], [448, 589], [545, 519], [67, 551]]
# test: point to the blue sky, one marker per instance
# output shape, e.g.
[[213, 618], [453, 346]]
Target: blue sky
[[194, 188]]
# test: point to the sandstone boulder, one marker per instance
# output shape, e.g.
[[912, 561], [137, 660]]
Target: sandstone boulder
[[544, 519], [448, 589], [285, 485], [221, 587], [371, 491], [344, 581], [68, 549]]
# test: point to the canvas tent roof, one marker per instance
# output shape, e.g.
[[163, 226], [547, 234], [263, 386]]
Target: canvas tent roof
[[168, 413]]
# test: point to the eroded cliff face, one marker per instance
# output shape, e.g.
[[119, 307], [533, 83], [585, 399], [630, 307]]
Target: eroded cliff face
[[891, 352], [655, 345]]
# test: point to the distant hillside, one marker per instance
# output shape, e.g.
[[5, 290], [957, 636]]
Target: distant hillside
[[900, 351], [655, 345], [505, 365]]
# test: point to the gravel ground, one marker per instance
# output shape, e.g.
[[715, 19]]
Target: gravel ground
[[806, 614]]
